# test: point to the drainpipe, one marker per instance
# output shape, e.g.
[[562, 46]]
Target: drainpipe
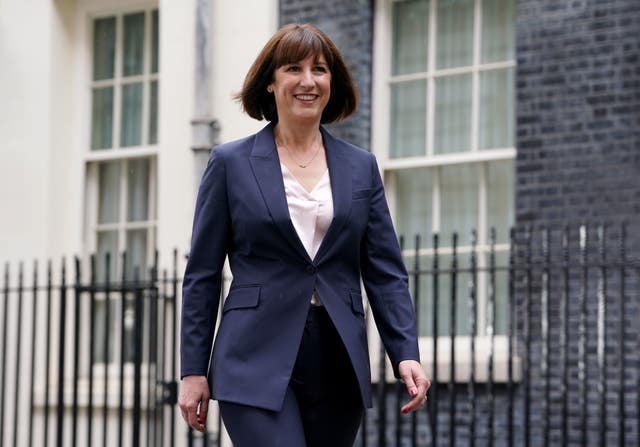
[[205, 128]]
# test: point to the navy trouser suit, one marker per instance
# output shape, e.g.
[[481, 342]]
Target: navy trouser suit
[[241, 212]]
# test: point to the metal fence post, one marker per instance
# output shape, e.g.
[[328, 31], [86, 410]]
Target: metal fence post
[[61, 352]]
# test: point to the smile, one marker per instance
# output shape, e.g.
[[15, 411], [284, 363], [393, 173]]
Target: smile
[[306, 97]]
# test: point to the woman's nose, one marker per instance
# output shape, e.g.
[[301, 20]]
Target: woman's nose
[[307, 78]]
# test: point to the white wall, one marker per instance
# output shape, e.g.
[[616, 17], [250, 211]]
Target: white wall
[[175, 99], [45, 54], [36, 131], [64, 223], [25, 127], [45, 61], [239, 30]]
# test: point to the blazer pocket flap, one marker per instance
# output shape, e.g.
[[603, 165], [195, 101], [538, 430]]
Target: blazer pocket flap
[[242, 298], [361, 194], [356, 302]]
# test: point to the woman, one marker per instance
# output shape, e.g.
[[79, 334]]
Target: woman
[[302, 217]]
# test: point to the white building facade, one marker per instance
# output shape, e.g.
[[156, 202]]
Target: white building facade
[[109, 109]]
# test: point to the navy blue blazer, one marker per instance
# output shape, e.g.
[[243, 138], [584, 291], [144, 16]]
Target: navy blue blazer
[[241, 211]]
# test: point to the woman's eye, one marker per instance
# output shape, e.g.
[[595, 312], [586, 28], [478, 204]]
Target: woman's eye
[[320, 68], [293, 68]]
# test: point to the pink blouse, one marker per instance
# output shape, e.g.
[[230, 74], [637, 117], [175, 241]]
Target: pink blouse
[[311, 212]]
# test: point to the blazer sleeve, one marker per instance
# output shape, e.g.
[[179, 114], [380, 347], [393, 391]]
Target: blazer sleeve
[[203, 274], [385, 279]]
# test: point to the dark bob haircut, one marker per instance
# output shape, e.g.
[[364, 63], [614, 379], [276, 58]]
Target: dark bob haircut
[[293, 43]]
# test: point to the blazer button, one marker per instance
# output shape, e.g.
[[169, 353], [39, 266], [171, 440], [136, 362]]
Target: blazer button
[[311, 269]]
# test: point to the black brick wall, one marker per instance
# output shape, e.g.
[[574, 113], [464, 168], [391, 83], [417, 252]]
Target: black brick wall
[[578, 113], [578, 161], [462, 420], [578, 135], [349, 23]]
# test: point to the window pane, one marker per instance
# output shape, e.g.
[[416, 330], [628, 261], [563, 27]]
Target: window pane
[[136, 253], [154, 41], [133, 60], [153, 113], [424, 296], [129, 328], [459, 201], [497, 109], [408, 118], [129, 325], [102, 118], [107, 243], [100, 321], [138, 193], [104, 44], [131, 123], [501, 293], [454, 33], [426, 299], [453, 114], [109, 194], [500, 197], [414, 189], [410, 20], [498, 30]]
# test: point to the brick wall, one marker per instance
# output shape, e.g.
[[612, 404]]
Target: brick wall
[[349, 24], [578, 135], [578, 113], [578, 129]]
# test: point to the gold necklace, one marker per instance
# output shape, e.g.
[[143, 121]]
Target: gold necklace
[[293, 158]]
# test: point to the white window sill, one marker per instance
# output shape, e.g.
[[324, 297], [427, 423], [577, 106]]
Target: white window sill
[[462, 360], [113, 389]]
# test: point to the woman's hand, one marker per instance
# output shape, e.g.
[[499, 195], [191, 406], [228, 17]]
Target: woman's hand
[[194, 401], [417, 384]]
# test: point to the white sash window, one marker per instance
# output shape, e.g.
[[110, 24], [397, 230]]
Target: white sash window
[[121, 159], [444, 130]]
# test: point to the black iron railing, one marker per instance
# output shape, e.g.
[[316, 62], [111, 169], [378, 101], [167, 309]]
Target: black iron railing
[[571, 376], [54, 366], [532, 342]]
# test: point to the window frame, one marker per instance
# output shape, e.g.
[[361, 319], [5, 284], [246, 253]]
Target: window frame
[[382, 81], [118, 80], [92, 158], [122, 225]]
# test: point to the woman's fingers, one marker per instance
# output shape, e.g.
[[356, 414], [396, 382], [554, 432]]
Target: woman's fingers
[[418, 401], [194, 421], [193, 414], [412, 389], [194, 401], [416, 382], [204, 409], [184, 415]]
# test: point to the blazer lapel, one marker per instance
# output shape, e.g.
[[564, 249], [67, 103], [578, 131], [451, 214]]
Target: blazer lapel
[[265, 165], [340, 177]]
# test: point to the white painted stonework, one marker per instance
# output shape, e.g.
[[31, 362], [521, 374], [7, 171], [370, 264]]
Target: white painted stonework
[[45, 60], [45, 119]]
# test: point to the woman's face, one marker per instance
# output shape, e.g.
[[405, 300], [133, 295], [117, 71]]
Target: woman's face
[[302, 89]]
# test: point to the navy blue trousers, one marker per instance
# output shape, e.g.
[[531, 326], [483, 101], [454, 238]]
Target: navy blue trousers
[[322, 406]]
